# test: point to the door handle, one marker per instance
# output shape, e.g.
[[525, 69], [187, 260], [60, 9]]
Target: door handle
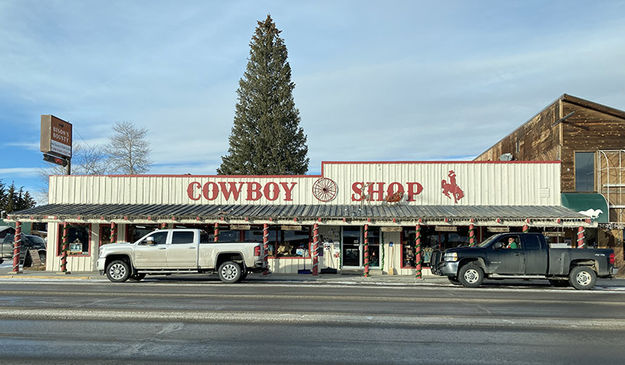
[[162, 248]]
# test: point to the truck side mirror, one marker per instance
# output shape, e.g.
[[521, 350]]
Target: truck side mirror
[[497, 245]]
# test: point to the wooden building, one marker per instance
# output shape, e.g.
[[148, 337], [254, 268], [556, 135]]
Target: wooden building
[[589, 140]]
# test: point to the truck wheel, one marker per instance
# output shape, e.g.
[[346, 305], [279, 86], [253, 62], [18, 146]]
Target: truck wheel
[[471, 275], [118, 271], [229, 272], [453, 280], [582, 277], [559, 283]]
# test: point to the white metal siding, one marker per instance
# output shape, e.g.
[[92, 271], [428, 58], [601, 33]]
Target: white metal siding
[[482, 184]]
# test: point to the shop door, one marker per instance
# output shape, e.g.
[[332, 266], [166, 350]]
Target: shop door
[[351, 247]]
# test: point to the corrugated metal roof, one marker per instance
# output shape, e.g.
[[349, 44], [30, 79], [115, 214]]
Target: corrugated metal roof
[[109, 211]]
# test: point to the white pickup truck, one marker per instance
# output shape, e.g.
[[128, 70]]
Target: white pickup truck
[[176, 251]]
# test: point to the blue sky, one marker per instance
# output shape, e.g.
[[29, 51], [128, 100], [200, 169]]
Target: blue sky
[[392, 80]]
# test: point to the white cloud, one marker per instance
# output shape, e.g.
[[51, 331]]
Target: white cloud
[[20, 172]]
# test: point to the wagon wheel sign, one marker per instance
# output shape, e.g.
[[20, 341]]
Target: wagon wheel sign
[[325, 189]]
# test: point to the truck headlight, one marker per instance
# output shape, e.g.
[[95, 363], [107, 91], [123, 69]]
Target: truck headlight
[[451, 256]]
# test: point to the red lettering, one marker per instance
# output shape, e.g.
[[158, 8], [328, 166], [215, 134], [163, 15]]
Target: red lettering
[[231, 188], [288, 190], [414, 188], [214, 190], [357, 189], [379, 191], [191, 190], [268, 190], [391, 188], [253, 191]]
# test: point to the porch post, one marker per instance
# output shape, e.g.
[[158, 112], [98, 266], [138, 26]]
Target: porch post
[[113, 232], [580, 237], [366, 250], [471, 234], [17, 243], [417, 248], [265, 246], [315, 250], [64, 248], [216, 233]]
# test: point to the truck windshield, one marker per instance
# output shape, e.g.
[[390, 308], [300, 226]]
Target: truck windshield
[[488, 241]]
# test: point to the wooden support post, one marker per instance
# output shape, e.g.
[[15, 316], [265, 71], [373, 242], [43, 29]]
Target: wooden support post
[[64, 248], [417, 248], [216, 233], [113, 232], [315, 250], [580, 238], [17, 246], [366, 250], [265, 247]]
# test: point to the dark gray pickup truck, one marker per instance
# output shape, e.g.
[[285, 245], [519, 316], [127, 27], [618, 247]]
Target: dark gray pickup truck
[[530, 257]]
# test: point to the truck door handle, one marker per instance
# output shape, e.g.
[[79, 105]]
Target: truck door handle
[[162, 248], [191, 248]]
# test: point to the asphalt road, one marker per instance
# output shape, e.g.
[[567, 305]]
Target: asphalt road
[[189, 321]]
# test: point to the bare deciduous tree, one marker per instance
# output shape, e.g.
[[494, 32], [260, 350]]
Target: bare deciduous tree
[[128, 150]]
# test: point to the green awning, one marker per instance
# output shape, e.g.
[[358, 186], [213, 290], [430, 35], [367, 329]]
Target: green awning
[[591, 204]]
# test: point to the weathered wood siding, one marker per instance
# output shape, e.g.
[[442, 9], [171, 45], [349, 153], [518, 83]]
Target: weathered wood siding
[[535, 140], [587, 130]]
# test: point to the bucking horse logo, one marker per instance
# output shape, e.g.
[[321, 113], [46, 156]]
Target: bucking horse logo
[[452, 187]]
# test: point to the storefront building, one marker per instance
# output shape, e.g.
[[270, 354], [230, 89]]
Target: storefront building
[[367, 214]]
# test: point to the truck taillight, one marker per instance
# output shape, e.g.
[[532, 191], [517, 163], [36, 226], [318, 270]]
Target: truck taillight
[[257, 251], [612, 258]]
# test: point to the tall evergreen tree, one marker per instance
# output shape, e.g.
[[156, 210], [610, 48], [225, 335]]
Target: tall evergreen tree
[[266, 138]]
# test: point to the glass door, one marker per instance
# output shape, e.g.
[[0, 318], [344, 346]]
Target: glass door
[[351, 247]]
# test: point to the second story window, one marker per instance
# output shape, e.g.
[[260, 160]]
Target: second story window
[[584, 171]]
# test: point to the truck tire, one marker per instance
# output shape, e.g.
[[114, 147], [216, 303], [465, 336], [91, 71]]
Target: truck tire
[[582, 277], [229, 272], [454, 280], [118, 271], [471, 275]]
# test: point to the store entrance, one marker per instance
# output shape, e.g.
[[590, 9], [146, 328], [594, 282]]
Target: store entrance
[[351, 247]]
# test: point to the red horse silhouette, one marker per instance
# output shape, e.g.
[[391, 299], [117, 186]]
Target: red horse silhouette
[[452, 187]]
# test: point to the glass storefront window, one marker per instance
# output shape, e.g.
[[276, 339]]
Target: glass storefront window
[[77, 237], [105, 234], [134, 232], [294, 243]]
